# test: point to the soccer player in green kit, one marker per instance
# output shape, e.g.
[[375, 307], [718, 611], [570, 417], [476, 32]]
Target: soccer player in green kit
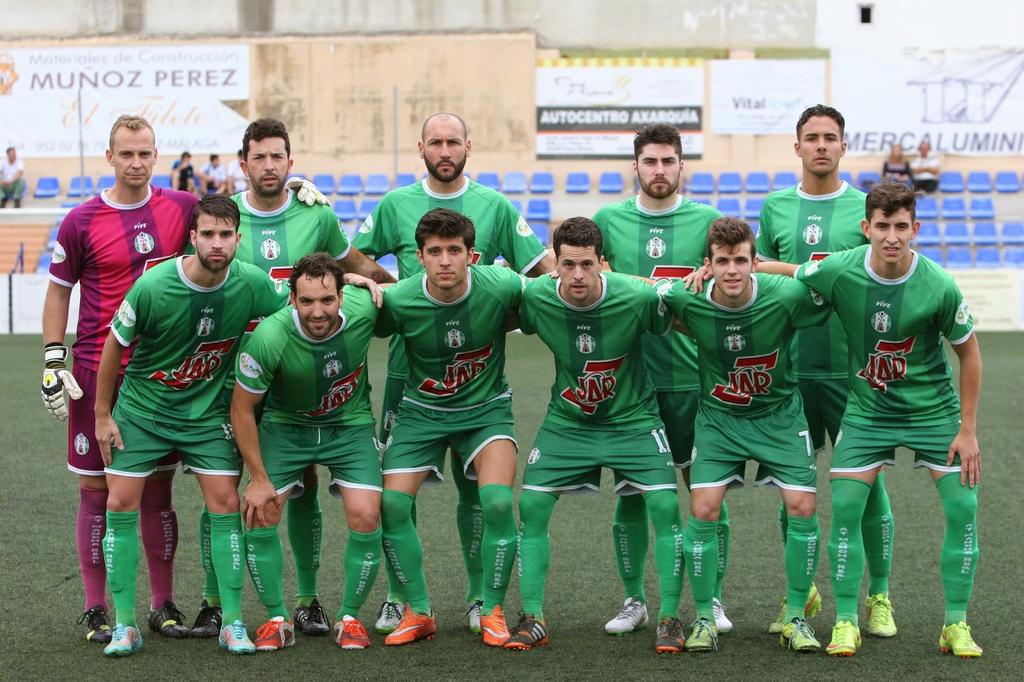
[[895, 307], [662, 236], [749, 409], [187, 316], [453, 317], [603, 413], [309, 361], [807, 222], [500, 230]]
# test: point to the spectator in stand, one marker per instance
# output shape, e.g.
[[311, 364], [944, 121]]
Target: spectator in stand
[[926, 168], [238, 181], [12, 179], [213, 177], [184, 174], [896, 168]]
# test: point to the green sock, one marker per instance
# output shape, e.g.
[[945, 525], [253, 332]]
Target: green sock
[[846, 545], [700, 545], [782, 521], [959, 557], [724, 535], [469, 519], [266, 567], [803, 545], [394, 585], [878, 528], [362, 561], [535, 510], [630, 537], [499, 543], [211, 591], [227, 554], [121, 555], [403, 549], [663, 508], [305, 530]]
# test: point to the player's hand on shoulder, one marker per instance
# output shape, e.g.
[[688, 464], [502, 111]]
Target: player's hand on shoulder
[[56, 379], [695, 280], [376, 292], [306, 191]]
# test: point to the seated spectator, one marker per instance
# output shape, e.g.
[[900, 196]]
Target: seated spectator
[[213, 177], [12, 179], [896, 168], [237, 179], [184, 175], [926, 168]]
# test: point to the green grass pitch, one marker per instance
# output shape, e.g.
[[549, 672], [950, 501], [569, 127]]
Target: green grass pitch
[[41, 591]]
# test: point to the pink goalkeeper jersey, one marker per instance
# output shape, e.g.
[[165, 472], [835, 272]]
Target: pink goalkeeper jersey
[[105, 247]]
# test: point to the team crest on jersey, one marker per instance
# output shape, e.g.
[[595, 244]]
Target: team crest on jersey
[[963, 313], [126, 314], [585, 344], [887, 363], [332, 368], [751, 376], [59, 254], [735, 343], [454, 338], [534, 456], [144, 242], [367, 226], [204, 327], [881, 322], [656, 247], [248, 366], [270, 249], [81, 444], [338, 392], [594, 386], [199, 365], [523, 227], [463, 368], [812, 234]]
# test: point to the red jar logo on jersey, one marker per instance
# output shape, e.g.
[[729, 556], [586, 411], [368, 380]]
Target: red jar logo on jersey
[[198, 366], [887, 363], [339, 391], [595, 385], [463, 368], [750, 377]]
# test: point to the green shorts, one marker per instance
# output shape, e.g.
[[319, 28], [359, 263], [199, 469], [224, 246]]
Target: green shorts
[[350, 452], [421, 436], [778, 441], [678, 411], [566, 460], [860, 447], [206, 450], [824, 404]]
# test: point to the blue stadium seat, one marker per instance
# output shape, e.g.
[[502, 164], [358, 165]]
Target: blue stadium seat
[[985, 234], [730, 183], [51, 241], [47, 187], [958, 257], [729, 206], [81, 186], [161, 181], [538, 209], [388, 262], [866, 179], [1007, 182], [701, 200], [701, 183], [541, 230], [404, 179], [350, 184], [1013, 233], [104, 182], [490, 180], [752, 208], [758, 183], [986, 257], [957, 233], [845, 176], [325, 183], [366, 207], [982, 209], [611, 182], [951, 181], [70, 204], [296, 175], [755, 226], [934, 254], [577, 183], [929, 235], [1013, 257], [927, 209], [542, 182], [345, 209], [784, 179], [979, 181], [953, 208], [377, 183], [518, 205], [514, 183]]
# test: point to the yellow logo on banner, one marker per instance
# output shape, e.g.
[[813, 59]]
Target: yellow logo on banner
[[8, 76]]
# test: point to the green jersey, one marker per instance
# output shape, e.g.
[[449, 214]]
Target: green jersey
[[500, 230], [187, 339], [898, 369], [600, 379], [744, 353], [455, 351], [662, 245], [796, 227], [307, 381]]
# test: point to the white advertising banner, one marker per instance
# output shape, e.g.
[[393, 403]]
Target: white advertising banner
[[180, 89], [593, 112], [963, 102], [763, 96]]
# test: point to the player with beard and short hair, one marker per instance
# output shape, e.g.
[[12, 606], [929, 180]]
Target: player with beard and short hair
[[186, 317], [445, 147]]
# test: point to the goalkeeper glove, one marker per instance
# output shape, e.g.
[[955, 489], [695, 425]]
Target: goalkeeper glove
[[306, 191], [56, 378]]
